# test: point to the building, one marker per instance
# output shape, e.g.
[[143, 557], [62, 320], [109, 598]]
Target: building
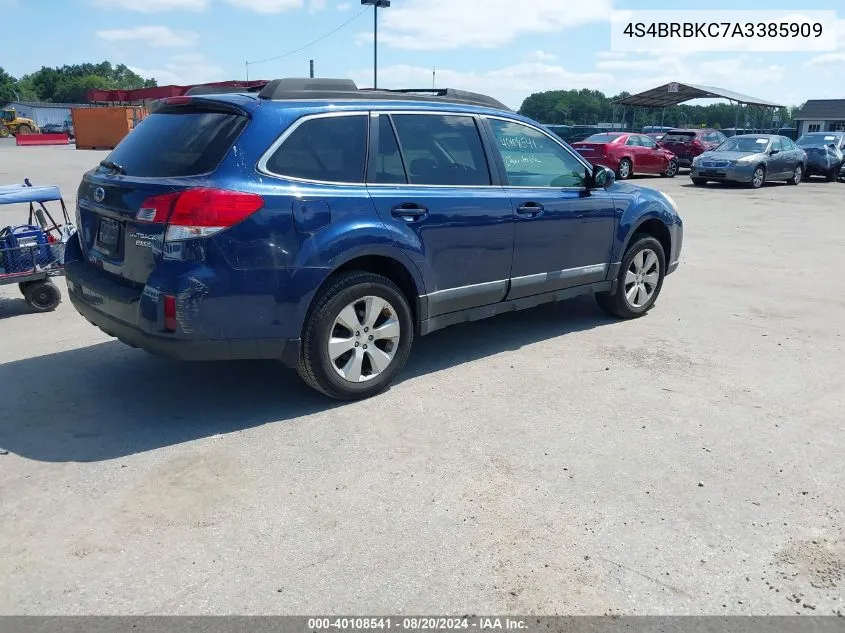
[[821, 115], [45, 113]]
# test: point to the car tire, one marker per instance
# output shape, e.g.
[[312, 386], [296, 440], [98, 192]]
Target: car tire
[[625, 169], [42, 296], [797, 175], [671, 169], [640, 274], [347, 369], [831, 174], [699, 182], [758, 181]]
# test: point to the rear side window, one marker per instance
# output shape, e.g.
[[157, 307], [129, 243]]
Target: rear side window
[[441, 150], [327, 149], [181, 142]]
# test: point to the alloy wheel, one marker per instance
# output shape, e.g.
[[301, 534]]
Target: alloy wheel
[[364, 339], [642, 278], [672, 169], [624, 169], [797, 174], [757, 177]]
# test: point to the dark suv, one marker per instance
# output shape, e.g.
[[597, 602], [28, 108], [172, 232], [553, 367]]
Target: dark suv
[[328, 226]]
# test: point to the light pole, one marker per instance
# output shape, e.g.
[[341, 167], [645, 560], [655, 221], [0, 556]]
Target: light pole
[[376, 4]]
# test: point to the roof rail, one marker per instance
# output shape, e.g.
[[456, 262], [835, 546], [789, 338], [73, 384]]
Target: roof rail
[[218, 90], [304, 89]]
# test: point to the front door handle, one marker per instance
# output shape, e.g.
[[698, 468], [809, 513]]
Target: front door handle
[[409, 211], [529, 209]]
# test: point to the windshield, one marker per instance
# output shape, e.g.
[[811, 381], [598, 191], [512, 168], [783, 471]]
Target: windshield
[[8, 116], [753, 144], [818, 140]]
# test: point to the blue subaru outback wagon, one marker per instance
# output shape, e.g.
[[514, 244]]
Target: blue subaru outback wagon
[[327, 227]]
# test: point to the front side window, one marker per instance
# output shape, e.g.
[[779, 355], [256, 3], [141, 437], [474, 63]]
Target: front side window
[[441, 150], [532, 159], [326, 149], [647, 142]]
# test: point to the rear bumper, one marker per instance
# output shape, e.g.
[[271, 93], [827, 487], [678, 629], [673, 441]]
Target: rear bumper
[[100, 305]]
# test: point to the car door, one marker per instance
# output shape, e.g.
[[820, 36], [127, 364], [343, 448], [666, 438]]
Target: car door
[[634, 149], [653, 160], [562, 231], [778, 164], [796, 155], [432, 185]]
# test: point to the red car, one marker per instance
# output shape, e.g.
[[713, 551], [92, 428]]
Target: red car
[[687, 144], [628, 154]]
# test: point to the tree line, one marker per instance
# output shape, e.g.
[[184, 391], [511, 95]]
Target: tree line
[[589, 107], [69, 84]]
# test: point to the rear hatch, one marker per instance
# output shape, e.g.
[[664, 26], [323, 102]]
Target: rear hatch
[[125, 203], [680, 144]]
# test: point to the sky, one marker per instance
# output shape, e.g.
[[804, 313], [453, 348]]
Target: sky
[[505, 48]]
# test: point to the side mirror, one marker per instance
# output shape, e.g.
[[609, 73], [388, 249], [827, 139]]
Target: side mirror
[[602, 177], [772, 152]]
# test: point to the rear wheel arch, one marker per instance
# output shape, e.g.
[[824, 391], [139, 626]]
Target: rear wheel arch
[[379, 264]]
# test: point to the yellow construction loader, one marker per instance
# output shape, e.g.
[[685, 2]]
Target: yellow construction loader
[[12, 125]]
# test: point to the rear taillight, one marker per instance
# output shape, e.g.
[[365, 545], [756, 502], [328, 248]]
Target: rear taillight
[[199, 212], [170, 313]]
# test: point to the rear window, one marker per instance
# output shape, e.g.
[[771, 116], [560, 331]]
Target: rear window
[[679, 137], [602, 138], [182, 142]]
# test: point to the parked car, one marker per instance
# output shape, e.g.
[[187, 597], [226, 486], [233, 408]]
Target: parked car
[[687, 144], [328, 227], [656, 136], [752, 159], [561, 130], [58, 128], [824, 153], [628, 154]]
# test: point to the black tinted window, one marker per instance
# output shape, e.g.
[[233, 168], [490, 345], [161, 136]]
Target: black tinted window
[[679, 137], [601, 138], [442, 150], [330, 149], [184, 142], [532, 159], [389, 167]]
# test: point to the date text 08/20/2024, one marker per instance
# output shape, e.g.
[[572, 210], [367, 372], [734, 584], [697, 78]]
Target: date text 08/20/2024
[[415, 623]]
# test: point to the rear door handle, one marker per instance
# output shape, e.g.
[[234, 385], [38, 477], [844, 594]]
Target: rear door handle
[[529, 209], [409, 211]]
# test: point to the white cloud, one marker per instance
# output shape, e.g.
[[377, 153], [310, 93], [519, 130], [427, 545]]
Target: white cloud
[[446, 24], [266, 6], [190, 68], [153, 6], [316, 5], [827, 59], [542, 56], [510, 84], [611, 55], [344, 6], [158, 36]]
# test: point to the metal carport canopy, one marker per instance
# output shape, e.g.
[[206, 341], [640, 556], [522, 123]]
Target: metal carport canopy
[[674, 93]]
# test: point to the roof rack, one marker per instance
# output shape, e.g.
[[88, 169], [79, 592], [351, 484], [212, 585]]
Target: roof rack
[[303, 89]]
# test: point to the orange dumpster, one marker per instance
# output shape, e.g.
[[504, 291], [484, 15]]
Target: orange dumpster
[[104, 128]]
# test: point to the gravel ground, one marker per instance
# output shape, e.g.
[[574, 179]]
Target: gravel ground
[[550, 461]]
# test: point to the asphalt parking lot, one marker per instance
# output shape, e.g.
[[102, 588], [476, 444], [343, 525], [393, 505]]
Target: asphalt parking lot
[[549, 461]]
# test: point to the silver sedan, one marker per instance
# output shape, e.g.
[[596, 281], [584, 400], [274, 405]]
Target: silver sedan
[[752, 159]]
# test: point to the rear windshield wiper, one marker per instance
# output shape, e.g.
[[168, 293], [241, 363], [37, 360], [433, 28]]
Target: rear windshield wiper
[[113, 166]]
